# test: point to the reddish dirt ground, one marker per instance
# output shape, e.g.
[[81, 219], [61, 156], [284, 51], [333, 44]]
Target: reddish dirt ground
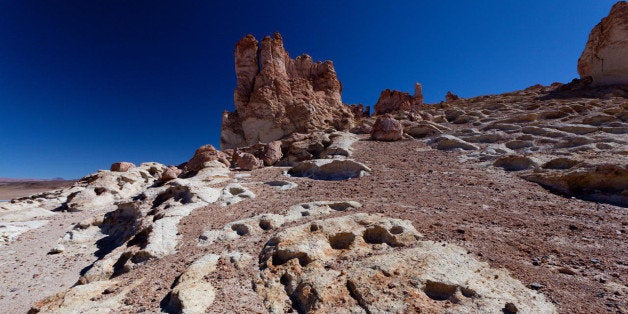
[[574, 250]]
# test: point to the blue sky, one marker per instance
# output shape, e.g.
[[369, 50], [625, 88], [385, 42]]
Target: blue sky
[[87, 83]]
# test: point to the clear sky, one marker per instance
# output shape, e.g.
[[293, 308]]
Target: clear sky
[[87, 83]]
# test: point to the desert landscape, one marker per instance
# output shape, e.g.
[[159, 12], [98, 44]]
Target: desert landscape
[[12, 188], [507, 203]]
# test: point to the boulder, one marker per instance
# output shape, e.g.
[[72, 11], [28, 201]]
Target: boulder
[[249, 162], [204, 154], [170, 173], [277, 95], [604, 56], [122, 166], [386, 128]]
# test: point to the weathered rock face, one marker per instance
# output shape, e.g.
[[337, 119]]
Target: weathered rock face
[[392, 101], [276, 95], [604, 56]]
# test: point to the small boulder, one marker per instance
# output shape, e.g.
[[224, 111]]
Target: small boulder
[[386, 128], [203, 154], [249, 162], [122, 166], [170, 173], [57, 249]]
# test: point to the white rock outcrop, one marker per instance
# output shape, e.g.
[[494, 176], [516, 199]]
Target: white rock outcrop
[[365, 263]]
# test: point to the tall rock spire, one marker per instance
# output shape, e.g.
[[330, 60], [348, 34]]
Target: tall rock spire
[[276, 95]]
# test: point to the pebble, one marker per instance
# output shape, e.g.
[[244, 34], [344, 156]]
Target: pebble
[[59, 248], [510, 308], [535, 286]]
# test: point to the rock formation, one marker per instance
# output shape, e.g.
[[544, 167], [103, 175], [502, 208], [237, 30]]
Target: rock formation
[[451, 97], [276, 95], [605, 56], [360, 111], [392, 101]]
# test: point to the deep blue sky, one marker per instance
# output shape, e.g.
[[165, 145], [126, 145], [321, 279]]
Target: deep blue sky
[[87, 83]]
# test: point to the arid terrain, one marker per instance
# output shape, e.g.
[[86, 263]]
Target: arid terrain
[[16, 189], [510, 203]]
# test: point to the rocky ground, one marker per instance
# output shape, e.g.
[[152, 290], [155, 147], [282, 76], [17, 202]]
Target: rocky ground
[[442, 228]]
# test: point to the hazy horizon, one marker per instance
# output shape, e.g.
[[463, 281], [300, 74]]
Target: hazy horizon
[[84, 84]]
